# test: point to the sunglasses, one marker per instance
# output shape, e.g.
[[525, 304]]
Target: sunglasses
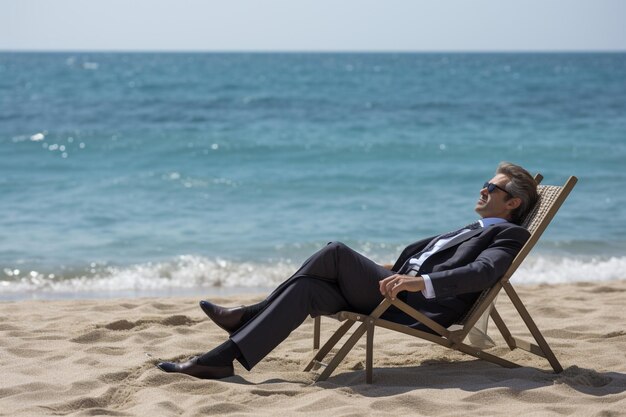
[[492, 187]]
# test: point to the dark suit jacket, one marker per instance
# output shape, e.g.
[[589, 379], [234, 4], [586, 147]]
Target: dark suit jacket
[[463, 268]]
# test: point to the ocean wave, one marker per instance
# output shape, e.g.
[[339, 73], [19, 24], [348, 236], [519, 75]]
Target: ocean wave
[[184, 272], [195, 272], [560, 270]]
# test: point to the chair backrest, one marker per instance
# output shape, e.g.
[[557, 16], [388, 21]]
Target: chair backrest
[[551, 197]]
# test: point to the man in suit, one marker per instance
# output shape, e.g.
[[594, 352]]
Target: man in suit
[[441, 276]]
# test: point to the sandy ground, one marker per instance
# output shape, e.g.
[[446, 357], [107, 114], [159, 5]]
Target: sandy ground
[[88, 358]]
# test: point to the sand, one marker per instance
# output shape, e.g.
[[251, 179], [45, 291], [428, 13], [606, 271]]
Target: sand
[[88, 358]]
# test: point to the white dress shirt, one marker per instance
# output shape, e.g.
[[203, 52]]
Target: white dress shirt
[[429, 291]]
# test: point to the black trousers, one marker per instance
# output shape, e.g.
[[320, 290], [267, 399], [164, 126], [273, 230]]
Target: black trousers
[[333, 279]]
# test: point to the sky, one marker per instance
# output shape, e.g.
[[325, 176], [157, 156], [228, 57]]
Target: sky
[[313, 25]]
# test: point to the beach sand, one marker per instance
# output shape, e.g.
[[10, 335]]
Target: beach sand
[[87, 357]]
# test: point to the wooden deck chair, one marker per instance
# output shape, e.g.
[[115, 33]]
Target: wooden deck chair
[[550, 200]]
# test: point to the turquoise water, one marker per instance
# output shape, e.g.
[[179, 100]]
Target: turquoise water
[[163, 172]]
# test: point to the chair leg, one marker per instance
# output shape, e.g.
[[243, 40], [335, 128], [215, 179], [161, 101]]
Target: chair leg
[[321, 354], [369, 351], [481, 354], [347, 347], [534, 330], [316, 332], [349, 344], [506, 334]]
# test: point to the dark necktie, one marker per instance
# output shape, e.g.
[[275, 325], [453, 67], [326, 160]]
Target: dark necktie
[[471, 226]]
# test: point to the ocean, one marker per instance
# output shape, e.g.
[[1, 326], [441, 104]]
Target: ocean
[[133, 174]]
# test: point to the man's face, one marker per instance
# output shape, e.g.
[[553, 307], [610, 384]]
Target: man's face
[[495, 204]]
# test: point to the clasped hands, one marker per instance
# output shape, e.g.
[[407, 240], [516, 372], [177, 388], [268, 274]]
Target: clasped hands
[[392, 285]]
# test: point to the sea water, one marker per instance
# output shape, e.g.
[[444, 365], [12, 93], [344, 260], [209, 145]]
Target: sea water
[[137, 174]]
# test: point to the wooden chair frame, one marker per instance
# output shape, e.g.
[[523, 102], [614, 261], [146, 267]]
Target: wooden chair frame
[[551, 199]]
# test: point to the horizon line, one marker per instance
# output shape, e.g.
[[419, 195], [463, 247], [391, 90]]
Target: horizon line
[[320, 51]]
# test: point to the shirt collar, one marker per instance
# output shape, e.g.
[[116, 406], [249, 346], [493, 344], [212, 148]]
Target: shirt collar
[[490, 221]]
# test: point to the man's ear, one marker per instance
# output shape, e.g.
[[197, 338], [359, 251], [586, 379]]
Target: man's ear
[[513, 203]]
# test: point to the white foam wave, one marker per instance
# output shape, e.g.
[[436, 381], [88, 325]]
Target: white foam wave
[[560, 270], [192, 272], [185, 272]]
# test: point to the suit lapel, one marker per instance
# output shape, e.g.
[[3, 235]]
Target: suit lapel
[[461, 238]]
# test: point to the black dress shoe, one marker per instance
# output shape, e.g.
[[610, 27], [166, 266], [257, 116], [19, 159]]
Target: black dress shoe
[[193, 368], [229, 319]]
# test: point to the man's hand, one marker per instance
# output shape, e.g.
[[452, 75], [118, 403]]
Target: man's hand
[[391, 286]]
